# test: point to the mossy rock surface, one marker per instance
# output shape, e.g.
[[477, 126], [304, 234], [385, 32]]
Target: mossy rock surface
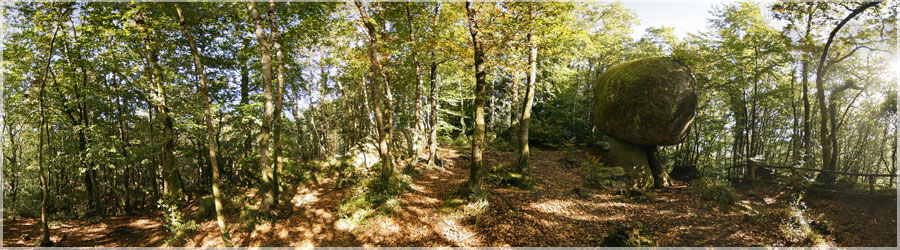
[[633, 160], [650, 101]]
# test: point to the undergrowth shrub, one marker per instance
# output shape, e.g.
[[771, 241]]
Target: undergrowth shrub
[[372, 196], [794, 223], [465, 203], [711, 189], [509, 175], [570, 160], [599, 176], [174, 220], [629, 236]]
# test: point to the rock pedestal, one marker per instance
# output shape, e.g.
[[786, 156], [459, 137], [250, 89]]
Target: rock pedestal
[[644, 103]]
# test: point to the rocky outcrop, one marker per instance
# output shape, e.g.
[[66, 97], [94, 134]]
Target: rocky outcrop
[[644, 103]]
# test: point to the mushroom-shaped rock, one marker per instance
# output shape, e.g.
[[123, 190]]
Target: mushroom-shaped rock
[[648, 101], [641, 104]]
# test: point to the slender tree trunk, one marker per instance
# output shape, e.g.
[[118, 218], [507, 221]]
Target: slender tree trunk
[[660, 176], [168, 161], [433, 117], [807, 148], [513, 122], [45, 229], [383, 121], [795, 125], [279, 99], [462, 110], [476, 169], [419, 121], [267, 188], [124, 145], [246, 150], [821, 71], [523, 162], [210, 131], [894, 158]]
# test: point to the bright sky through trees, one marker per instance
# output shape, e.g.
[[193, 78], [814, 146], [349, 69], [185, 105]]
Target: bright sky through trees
[[686, 16]]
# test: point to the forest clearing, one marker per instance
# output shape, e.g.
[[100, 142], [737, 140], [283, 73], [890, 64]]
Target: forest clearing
[[561, 211], [450, 124]]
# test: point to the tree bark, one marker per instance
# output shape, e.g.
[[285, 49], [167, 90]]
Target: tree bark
[[419, 121], [433, 116], [246, 149], [45, 228], [210, 131], [660, 176], [523, 163], [476, 169], [266, 188], [513, 122], [279, 99], [170, 177], [821, 71], [383, 121], [807, 148]]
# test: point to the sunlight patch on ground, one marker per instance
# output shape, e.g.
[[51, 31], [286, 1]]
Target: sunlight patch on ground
[[344, 225], [144, 224], [305, 198], [453, 231], [304, 244]]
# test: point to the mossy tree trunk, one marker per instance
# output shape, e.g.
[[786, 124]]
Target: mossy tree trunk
[[45, 228], [476, 169], [170, 176], [383, 121], [657, 169], [266, 188], [433, 117], [523, 163], [279, 100], [210, 131]]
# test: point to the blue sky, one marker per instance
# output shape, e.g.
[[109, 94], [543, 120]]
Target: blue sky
[[686, 16]]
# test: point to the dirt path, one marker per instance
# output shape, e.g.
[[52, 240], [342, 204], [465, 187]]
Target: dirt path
[[559, 212], [143, 230], [556, 215], [310, 217]]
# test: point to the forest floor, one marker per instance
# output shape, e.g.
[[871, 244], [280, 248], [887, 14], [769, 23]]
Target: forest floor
[[559, 211]]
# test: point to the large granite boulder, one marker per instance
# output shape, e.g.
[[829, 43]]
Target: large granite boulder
[[648, 101], [641, 104], [633, 159]]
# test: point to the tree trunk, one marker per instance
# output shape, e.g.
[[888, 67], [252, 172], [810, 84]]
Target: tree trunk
[[168, 145], [894, 158], [821, 71], [383, 121], [523, 162], [807, 148], [476, 169], [660, 176], [266, 188], [45, 229], [513, 122], [210, 131], [246, 150], [419, 121], [279, 99], [433, 117]]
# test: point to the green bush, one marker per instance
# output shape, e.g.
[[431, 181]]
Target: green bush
[[174, 219], [599, 176], [503, 144], [629, 236], [570, 160], [715, 190], [372, 196], [509, 175]]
